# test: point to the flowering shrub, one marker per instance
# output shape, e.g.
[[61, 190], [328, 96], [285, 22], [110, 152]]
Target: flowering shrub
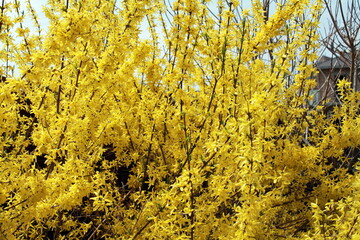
[[197, 128]]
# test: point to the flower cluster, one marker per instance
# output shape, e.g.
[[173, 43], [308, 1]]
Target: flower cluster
[[197, 128]]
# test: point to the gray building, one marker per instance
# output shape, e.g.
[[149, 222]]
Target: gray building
[[330, 71]]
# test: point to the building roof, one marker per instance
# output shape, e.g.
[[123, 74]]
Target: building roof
[[331, 63]]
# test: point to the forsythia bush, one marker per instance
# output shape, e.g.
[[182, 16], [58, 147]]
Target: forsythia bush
[[197, 127]]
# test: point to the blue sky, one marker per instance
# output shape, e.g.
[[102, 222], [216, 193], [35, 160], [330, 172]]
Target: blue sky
[[38, 4]]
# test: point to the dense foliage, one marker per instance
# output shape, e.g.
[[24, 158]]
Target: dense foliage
[[198, 127]]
